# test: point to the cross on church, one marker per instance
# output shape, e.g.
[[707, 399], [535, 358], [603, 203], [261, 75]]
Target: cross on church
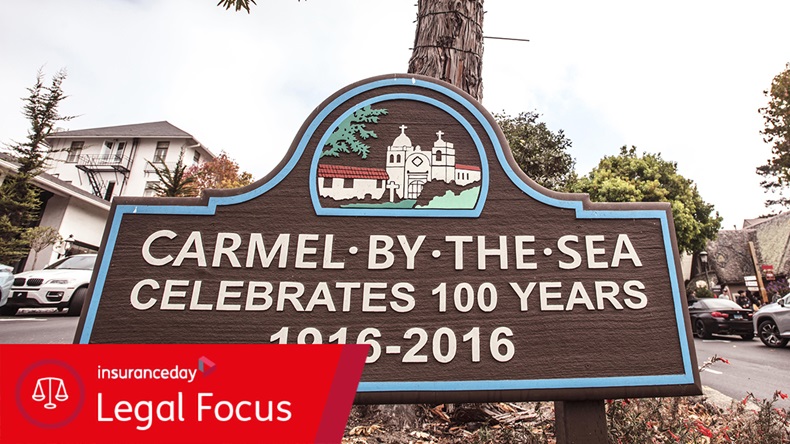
[[392, 186], [403, 129], [440, 134]]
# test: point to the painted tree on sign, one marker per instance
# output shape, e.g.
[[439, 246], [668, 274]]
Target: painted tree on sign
[[776, 172], [345, 138], [627, 177]]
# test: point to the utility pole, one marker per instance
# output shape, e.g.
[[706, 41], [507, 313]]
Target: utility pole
[[758, 273]]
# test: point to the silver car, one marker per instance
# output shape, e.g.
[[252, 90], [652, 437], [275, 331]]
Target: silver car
[[772, 322]]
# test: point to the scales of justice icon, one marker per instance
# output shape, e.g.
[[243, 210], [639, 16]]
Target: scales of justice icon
[[44, 388]]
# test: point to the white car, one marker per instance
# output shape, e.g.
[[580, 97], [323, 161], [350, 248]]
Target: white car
[[6, 279], [772, 322], [62, 284]]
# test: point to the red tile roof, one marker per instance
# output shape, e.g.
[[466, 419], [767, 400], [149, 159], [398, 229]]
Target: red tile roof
[[347, 172], [467, 167]]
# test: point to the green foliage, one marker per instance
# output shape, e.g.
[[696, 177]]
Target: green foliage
[[174, 182], [238, 4], [776, 172], [540, 153], [703, 292], [41, 110], [649, 178], [12, 245], [19, 204], [41, 237], [19, 199], [344, 138]]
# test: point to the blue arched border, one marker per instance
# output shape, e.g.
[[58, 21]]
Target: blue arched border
[[403, 212], [686, 377]]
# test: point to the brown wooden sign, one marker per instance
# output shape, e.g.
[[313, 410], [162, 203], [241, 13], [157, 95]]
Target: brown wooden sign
[[399, 219]]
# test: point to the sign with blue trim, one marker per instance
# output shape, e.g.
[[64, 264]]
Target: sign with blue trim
[[399, 219]]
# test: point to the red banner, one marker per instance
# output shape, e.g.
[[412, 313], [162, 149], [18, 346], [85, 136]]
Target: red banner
[[193, 393]]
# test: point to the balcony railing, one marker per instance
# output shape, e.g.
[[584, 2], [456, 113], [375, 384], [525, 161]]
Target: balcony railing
[[103, 159]]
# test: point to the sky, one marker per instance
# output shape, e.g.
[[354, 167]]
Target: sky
[[684, 79]]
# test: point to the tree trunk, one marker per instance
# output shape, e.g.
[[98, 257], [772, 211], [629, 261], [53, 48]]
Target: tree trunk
[[448, 43]]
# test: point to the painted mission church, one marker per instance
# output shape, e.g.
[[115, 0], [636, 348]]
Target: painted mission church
[[408, 169]]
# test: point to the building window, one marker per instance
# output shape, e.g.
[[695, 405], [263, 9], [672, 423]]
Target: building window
[[348, 183], [161, 152], [112, 151], [196, 158], [327, 182], [119, 150], [438, 156], [74, 152], [379, 183], [106, 150]]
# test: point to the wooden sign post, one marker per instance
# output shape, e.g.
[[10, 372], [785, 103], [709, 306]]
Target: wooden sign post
[[399, 219]]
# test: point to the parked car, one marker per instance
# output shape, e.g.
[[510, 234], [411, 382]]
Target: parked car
[[62, 284], [710, 316], [6, 279], [772, 322]]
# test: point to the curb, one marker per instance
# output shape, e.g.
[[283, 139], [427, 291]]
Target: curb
[[723, 401]]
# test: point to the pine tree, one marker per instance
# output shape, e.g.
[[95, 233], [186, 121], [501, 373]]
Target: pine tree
[[19, 203], [19, 199]]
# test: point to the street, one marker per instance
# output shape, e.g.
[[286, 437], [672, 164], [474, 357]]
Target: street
[[753, 367], [38, 327]]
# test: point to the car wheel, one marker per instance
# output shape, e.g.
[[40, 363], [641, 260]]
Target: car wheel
[[769, 334], [8, 311], [700, 330], [748, 337], [77, 300]]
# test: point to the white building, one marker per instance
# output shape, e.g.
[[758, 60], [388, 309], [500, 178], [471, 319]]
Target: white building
[[410, 168], [89, 167], [78, 215], [113, 161], [466, 174], [343, 182]]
